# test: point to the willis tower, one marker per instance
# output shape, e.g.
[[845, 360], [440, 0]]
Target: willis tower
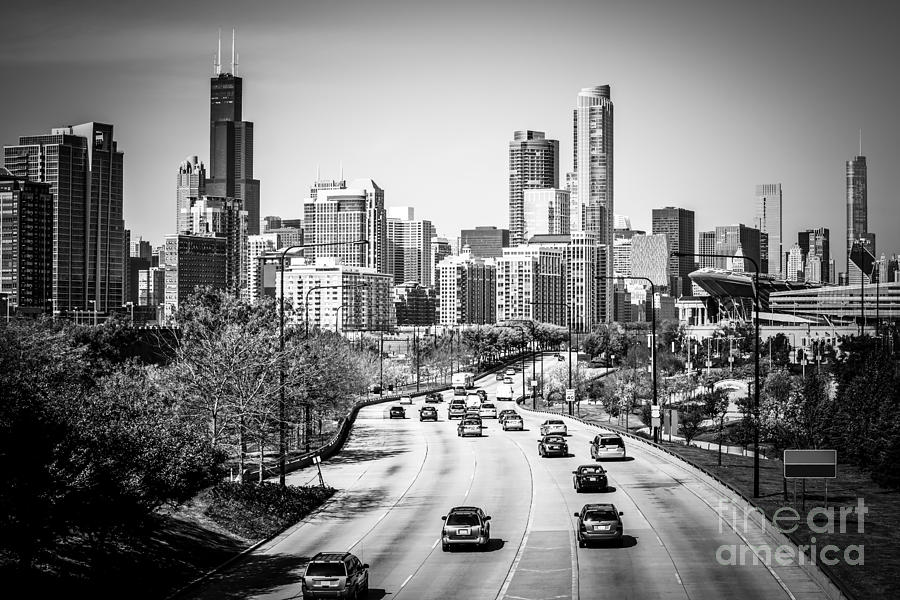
[[231, 142]]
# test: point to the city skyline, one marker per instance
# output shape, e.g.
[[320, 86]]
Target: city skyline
[[163, 62]]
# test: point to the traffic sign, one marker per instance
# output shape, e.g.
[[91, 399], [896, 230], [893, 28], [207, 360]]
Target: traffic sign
[[533, 383], [316, 459], [570, 394], [810, 464], [654, 411]]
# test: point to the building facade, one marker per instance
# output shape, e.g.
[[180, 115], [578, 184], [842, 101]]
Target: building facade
[[546, 213], [768, 221], [26, 244], [226, 218], [468, 286], [738, 241], [533, 164], [440, 249], [415, 304], [484, 241], [192, 261], [650, 259], [795, 266], [84, 168], [190, 185], [815, 245], [409, 246], [858, 206], [531, 284], [677, 225]]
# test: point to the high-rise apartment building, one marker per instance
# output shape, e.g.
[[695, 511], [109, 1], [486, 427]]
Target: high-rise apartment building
[[583, 260], [440, 249], [269, 222], [795, 265], [706, 244], [816, 243], [225, 217], [26, 244], [193, 261], [189, 186], [151, 286], [484, 241], [739, 241], [231, 144], [415, 304], [468, 286], [84, 168], [338, 213], [531, 284], [409, 246], [677, 225], [768, 221], [592, 206], [622, 250], [546, 213], [258, 246], [533, 164]]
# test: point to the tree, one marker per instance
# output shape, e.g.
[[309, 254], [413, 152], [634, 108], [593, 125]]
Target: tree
[[716, 406], [690, 417]]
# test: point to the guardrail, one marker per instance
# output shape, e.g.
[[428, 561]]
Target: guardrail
[[841, 586]]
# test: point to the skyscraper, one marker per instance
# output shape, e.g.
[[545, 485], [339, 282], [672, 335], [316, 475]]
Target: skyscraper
[[592, 206], [546, 213], [409, 246], [190, 185], [533, 164], [484, 241], [84, 168], [468, 287], [738, 241], [225, 217], [795, 265], [231, 143], [768, 221], [816, 243], [677, 224], [26, 243], [858, 206], [706, 244], [440, 249]]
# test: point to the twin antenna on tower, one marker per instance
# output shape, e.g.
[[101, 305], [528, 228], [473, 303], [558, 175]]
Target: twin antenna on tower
[[217, 59]]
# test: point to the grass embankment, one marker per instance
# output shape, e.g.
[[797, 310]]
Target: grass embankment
[[175, 547], [877, 575]]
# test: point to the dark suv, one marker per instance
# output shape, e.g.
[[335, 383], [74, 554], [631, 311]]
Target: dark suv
[[335, 575], [599, 523], [589, 477], [397, 412], [434, 397], [428, 413], [465, 526]]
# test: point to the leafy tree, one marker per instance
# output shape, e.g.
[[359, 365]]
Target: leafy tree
[[690, 417]]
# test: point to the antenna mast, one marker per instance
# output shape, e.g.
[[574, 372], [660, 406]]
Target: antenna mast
[[232, 51], [218, 61]]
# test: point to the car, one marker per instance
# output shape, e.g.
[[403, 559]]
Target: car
[[465, 526], [335, 575], [510, 371], [599, 523], [473, 413], [553, 445], [457, 410], [508, 380], [434, 397], [483, 395], [428, 413], [587, 477], [500, 375], [505, 392], [607, 445], [513, 422], [554, 426], [505, 413], [406, 400], [488, 411], [474, 400], [459, 391], [469, 426], [397, 412]]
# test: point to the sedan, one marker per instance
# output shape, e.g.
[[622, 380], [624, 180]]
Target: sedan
[[500, 376], [553, 426], [506, 412], [406, 400], [469, 427], [599, 523], [513, 423], [553, 445], [487, 411], [589, 477], [428, 413], [434, 397], [397, 412]]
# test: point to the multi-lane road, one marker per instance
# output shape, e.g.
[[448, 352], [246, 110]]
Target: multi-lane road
[[396, 478]]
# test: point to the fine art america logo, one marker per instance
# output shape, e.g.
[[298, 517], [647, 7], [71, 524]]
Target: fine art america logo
[[787, 520]]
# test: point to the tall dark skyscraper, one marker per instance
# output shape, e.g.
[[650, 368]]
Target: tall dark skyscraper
[[84, 168], [858, 205], [677, 224], [231, 143], [815, 249], [533, 164]]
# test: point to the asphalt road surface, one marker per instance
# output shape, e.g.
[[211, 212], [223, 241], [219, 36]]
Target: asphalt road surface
[[397, 477]]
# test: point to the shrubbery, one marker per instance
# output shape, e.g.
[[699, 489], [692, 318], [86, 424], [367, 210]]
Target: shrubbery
[[257, 511]]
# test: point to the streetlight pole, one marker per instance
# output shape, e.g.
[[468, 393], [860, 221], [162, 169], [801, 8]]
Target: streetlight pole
[[756, 359], [653, 329], [94, 309], [282, 437], [570, 315]]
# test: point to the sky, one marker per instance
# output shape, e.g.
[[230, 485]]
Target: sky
[[712, 97]]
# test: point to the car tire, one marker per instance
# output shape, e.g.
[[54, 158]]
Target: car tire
[[577, 489], [581, 543], [445, 547]]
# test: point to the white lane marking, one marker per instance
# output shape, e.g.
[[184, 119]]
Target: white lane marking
[[521, 549], [435, 543], [405, 581], [472, 478], [660, 542]]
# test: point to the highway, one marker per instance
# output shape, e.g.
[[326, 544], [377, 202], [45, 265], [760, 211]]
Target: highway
[[397, 477]]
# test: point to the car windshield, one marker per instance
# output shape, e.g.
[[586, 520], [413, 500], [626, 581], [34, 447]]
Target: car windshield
[[600, 515], [555, 423], [467, 519], [329, 569], [553, 439], [590, 470], [612, 441]]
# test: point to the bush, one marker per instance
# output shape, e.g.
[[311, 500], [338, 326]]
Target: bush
[[257, 511]]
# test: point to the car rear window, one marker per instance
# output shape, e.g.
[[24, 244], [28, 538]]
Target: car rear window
[[555, 423], [468, 519], [553, 439], [600, 515], [471, 422], [590, 470], [488, 405], [317, 569], [611, 441]]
